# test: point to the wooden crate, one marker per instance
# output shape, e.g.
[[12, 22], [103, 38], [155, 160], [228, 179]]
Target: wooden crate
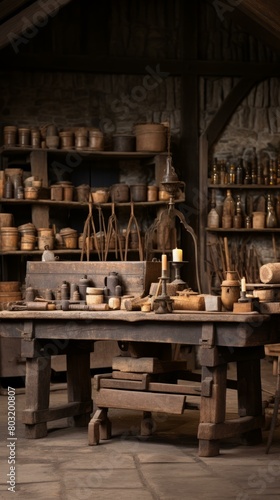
[[135, 277]]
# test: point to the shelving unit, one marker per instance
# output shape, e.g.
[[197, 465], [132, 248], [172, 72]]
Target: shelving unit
[[249, 247], [96, 168]]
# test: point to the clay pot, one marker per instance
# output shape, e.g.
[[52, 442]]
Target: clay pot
[[96, 140], [120, 193], [10, 135], [230, 290], [123, 142], [82, 193], [138, 192], [100, 195], [150, 137], [24, 136]]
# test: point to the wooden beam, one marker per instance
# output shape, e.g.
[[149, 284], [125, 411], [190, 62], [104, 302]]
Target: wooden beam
[[226, 110], [8, 7], [26, 24], [135, 66], [188, 164]]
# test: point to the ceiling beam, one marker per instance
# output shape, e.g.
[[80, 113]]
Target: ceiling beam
[[8, 7], [137, 66], [24, 25]]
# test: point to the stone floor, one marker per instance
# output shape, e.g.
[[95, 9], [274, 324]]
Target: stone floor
[[164, 466]]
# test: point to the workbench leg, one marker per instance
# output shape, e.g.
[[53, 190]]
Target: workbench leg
[[99, 427], [38, 376], [249, 396], [79, 384], [212, 406]]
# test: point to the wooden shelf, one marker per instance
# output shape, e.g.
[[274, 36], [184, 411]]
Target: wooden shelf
[[83, 152], [77, 204], [60, 251], [244, 230], [243, 186]]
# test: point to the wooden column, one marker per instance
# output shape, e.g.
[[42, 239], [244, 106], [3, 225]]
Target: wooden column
[[249, 395], [189, 138], [79, 383], [38, 375]]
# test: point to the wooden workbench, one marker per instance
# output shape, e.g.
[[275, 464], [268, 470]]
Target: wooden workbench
[[223, 337]]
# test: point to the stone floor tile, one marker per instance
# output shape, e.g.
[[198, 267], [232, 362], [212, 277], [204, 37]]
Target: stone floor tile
[[108, 494], [38, 491], [101, 479]]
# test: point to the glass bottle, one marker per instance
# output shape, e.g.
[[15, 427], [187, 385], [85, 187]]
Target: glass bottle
[[271, 220], [239, 172], [277, 209], [213, 219], [278, 172], [266, 174], [228, 204], [248, 177], [228, 210], [238, 218], [272, 173], [215, 177], [254, 176], [222, 172], [238, 204], [232, 174]]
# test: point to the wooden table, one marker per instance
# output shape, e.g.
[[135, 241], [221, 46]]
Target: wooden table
[[223, 337]]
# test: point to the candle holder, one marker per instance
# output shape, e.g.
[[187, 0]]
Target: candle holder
[[163, 304], [180, 284], [243, 297]]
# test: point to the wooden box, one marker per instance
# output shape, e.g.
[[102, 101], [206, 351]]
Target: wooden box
[[135, 277]]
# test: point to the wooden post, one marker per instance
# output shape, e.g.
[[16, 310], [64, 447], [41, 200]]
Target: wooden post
[[38, 376], [249, 395], [79, 383], [213, 405]]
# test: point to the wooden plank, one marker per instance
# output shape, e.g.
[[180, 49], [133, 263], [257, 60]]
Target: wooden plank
[[229, 428], [10, 6], [14, 27], [174, 388], [132, 385], [135, 276], [68, 410], [144, 401], [127, 375], [146, 365]]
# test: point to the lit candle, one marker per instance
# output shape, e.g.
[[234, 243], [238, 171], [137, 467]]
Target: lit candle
[[164, 262], [243, 285], [177, 255]]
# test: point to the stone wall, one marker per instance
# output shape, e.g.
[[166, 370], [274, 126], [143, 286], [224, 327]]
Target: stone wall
[[254, 127], [114, 103]]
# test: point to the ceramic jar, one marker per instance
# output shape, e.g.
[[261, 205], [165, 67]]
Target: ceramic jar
[[230, 290]]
